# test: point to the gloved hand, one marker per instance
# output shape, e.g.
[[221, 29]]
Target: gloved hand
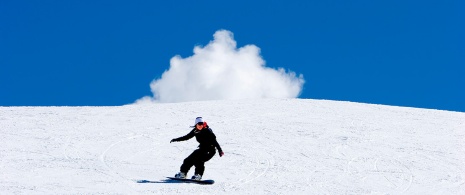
[[173, 140], [221, 153]]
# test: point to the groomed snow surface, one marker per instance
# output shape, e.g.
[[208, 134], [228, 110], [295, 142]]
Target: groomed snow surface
[[272, 146]]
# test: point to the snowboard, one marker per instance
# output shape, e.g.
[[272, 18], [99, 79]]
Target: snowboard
[[205, 182]]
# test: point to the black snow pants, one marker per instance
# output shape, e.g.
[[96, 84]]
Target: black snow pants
[[198, 159]]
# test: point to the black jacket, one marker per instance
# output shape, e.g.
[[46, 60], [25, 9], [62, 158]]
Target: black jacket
[[205, 137]]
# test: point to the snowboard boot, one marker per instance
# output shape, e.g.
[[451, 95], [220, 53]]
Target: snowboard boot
[[180, 175], [197, 177]]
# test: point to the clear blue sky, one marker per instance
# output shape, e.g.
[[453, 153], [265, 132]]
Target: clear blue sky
[[396, 52]]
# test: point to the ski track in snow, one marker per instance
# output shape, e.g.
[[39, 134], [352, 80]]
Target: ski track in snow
[[274, 146]]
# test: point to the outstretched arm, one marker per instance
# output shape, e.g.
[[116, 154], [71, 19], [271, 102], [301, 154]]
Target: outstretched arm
[[184, 138]]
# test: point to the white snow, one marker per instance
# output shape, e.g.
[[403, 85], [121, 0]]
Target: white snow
[[272, 146]]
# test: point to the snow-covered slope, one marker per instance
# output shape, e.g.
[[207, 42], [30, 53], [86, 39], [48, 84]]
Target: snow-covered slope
[[272, 146]]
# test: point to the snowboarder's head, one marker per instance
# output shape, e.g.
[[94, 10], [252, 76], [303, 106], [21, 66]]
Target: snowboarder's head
[[199, 123]]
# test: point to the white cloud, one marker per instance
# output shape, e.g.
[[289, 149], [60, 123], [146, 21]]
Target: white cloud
[[220, 71]]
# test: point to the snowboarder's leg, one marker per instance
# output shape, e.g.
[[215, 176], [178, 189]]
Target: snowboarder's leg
[[200, 164], [190, 161], [199, 167], [209, 155]]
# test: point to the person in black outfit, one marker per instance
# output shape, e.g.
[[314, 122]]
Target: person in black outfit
[[205, 151]]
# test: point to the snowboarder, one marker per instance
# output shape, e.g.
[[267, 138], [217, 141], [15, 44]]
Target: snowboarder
[[206, 149]]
